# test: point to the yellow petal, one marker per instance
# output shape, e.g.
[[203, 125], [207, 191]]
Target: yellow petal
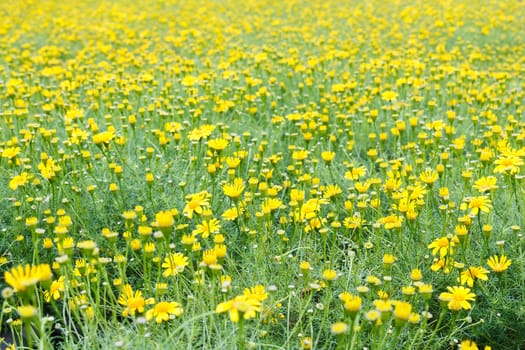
[[223, 307], [234, 315]]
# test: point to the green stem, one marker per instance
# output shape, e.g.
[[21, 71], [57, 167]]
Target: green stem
[[325, 314], [29, 335], [434, 332], [354, 329], [421, 330], [240, 333]]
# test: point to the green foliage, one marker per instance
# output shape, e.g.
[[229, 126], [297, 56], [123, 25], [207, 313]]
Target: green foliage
[[262, 174]]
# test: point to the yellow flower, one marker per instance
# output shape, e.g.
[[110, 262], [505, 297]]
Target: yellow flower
[[429, 176], [10, 152], [389, 259], [485, 184], [416, 275], [461, 232], [373, 280], [103, 138], [49, 169], [132, 301], [196, 203], [479, 203], [408, 290], [473, 273], [209, 257], [232, 162], [499, 264], [300, 155], [414, 318], [164, 219], [87, 246], [442, 245], [339, 328], [327, 156], [240, 306], [270, 204], [383, 306], [144, 231], [21, 278], [234, 190], [373, 316], [47, 243], [26, 312], [389, 95], [402, 311], [207, 227], [425, 290], [231, 214], [362, 187], [174, 264], [390, 222], [257, 292], [55, 290], [164, 311], [508, 164], [306, 343], [129, 215], [332, 191], [149, 249], [296, 197], [218, 144], [468, 345], [19, 180], [351, 303], [305, 268], [329, 275], [458, 298]]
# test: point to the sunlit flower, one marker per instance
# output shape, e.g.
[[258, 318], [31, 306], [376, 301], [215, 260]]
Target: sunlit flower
[[103, 138], [257, 292], [132, 301], [339, 328], [218, 144], [27, 312], [21, 277], [429, 176], [442, 245], [499, 264], [207, 227], [55, 290], [351, 303], [458, 298], [485, 184], [196, 203], [240, 306], [164, 311], [468, 345], [473, 273], [174, 264], [509, 164], [402, 311], [234, 190], [327, 156], [19, 180], [479, 204], [164, 220]]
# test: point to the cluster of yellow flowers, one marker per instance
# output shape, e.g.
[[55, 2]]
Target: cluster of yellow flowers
[[166, 161]]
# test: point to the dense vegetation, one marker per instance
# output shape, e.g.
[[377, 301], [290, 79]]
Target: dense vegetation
[[262, 174]]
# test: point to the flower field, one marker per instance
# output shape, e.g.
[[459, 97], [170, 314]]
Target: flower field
[[228, 174]]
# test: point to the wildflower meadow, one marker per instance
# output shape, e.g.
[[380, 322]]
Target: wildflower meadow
[[262, 174]]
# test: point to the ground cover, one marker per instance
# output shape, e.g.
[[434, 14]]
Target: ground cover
[[262, 174]]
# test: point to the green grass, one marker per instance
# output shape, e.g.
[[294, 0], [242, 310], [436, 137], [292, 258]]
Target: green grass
[[115, 114]]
